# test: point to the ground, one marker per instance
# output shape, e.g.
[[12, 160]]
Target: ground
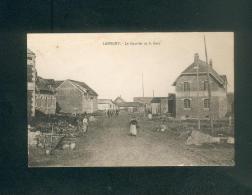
[[108, 143]]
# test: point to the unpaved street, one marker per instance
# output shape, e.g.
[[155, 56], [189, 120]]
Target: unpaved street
[[108, 143]]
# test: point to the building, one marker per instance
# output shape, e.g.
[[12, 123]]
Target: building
[[75, 97], [164, 105], [119, 99], [192, 91], [132, 107], [144, 100], [106, 104], [159, 105], [45, 96], [31, 78]]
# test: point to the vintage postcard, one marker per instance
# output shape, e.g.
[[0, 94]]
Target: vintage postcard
[[130, 99]]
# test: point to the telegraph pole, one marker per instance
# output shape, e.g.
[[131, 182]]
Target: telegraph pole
[[208, 88]]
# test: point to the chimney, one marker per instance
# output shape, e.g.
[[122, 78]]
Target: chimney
[[211, 63], [196, 57]]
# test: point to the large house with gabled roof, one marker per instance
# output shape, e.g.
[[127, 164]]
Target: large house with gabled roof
[[192, 93], [75, 97]]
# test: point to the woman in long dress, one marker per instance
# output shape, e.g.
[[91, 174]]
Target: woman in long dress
[[133, 127], [85, 124]]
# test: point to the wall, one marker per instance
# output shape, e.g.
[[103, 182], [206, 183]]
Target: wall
[[69, 98], [89, 103], [106, 106], [103, 106]]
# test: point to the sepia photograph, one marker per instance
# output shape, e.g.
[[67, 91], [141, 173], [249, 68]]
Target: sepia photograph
[[130, 99]]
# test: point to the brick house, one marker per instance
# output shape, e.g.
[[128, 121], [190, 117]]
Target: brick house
[[76, 97], [31, 78], [45, 96], [191, 102]]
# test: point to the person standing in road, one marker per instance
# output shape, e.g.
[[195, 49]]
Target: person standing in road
[[133, 126], [85, 124]]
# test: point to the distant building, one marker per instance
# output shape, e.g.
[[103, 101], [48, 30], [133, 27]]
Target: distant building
[[194, 103], [159, 105], [75, 97], [144, 100], [106, 104], [45, 96], [132, 107], [119, 100], [31, 78], [164, 105]]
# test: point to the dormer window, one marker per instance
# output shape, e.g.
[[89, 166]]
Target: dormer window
[[186, 86]]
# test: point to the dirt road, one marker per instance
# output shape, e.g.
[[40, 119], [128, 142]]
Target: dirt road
[[108, 143]]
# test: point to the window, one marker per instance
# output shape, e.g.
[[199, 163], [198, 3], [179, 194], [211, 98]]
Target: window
[[205, 87], [187, 103], [206, 103], [186, 86], [29, 58]]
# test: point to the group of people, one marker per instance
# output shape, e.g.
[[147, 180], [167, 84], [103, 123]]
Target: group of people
[[110, 113]]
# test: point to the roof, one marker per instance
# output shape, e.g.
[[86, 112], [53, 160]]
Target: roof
[[144, 100], [158, 99], [224, 78], [44, 85], [57, 83], [191, 70], [84, 87], [130, 104], [105, 101], [119, 98]]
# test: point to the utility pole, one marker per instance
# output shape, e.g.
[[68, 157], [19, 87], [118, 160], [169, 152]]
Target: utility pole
[[153, 93], [142, 85], [208, 88]]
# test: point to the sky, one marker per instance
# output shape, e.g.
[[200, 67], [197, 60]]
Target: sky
[[116, 70]]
